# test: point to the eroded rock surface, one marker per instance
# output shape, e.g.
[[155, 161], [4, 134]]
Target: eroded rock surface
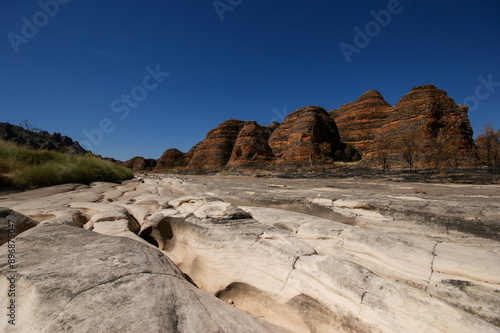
[[301, 255], [307, 137], [307, 134], [170, 159], [138, 163], [360, 121], [214, 151], [71, 279], [426, 120], [251, 149], [13, 223]]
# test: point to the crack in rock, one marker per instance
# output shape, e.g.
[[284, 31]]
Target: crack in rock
[[432, 263], [289, 273], [293, 267], [363, 296], [98, 285]]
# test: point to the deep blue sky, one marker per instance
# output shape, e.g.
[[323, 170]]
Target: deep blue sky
[[266, 58]]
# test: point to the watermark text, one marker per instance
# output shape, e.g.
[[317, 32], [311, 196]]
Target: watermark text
[[223, 6], [372, 29], [483, 91], [30, 28], [11, 273], [122, 106]]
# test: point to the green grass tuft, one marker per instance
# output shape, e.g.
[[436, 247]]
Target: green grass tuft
[[24, 168]]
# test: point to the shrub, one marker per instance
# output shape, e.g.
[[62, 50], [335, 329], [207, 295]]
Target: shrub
[[351, 154]]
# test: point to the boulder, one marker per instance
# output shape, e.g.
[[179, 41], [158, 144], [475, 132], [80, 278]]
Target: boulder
[[272, 126], [70, 279], [13, 223]]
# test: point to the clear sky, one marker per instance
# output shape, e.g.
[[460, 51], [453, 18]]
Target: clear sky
[[139, 77]]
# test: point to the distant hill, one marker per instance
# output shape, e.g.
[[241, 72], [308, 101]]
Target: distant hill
[[33, 138]]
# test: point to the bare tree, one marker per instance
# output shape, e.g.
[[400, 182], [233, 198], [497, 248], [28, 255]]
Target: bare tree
[[488, 144], [410, 148], [26, 124], [476, 156], [383, 149], [30, 129], [434, 155], [451, 154]]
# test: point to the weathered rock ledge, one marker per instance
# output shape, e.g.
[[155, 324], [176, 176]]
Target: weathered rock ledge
[[298, 255]]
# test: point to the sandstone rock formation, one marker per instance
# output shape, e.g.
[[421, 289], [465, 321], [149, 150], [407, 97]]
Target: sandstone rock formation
[[437, 128], [360, 121], [304, 256], [251, 148], [305, 136], [214, 151], [425, 120], [170, 159], [428, 114], [138, 163], [272, 126]]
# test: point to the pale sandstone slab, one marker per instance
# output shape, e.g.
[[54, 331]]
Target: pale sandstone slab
[[438, 241], [413, 260], [76, 280], [261, 267]]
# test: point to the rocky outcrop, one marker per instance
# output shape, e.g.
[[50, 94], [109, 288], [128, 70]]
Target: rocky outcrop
[[388, 229], [138, 163], [297, 277], [70, 279], [251, 149], [312, 257], [425, 123], [360, 121], [213, 153], [12, 224], [425, 118], [171, 159], [35, 139], [306, 136], [430, 123], [272, 126]]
